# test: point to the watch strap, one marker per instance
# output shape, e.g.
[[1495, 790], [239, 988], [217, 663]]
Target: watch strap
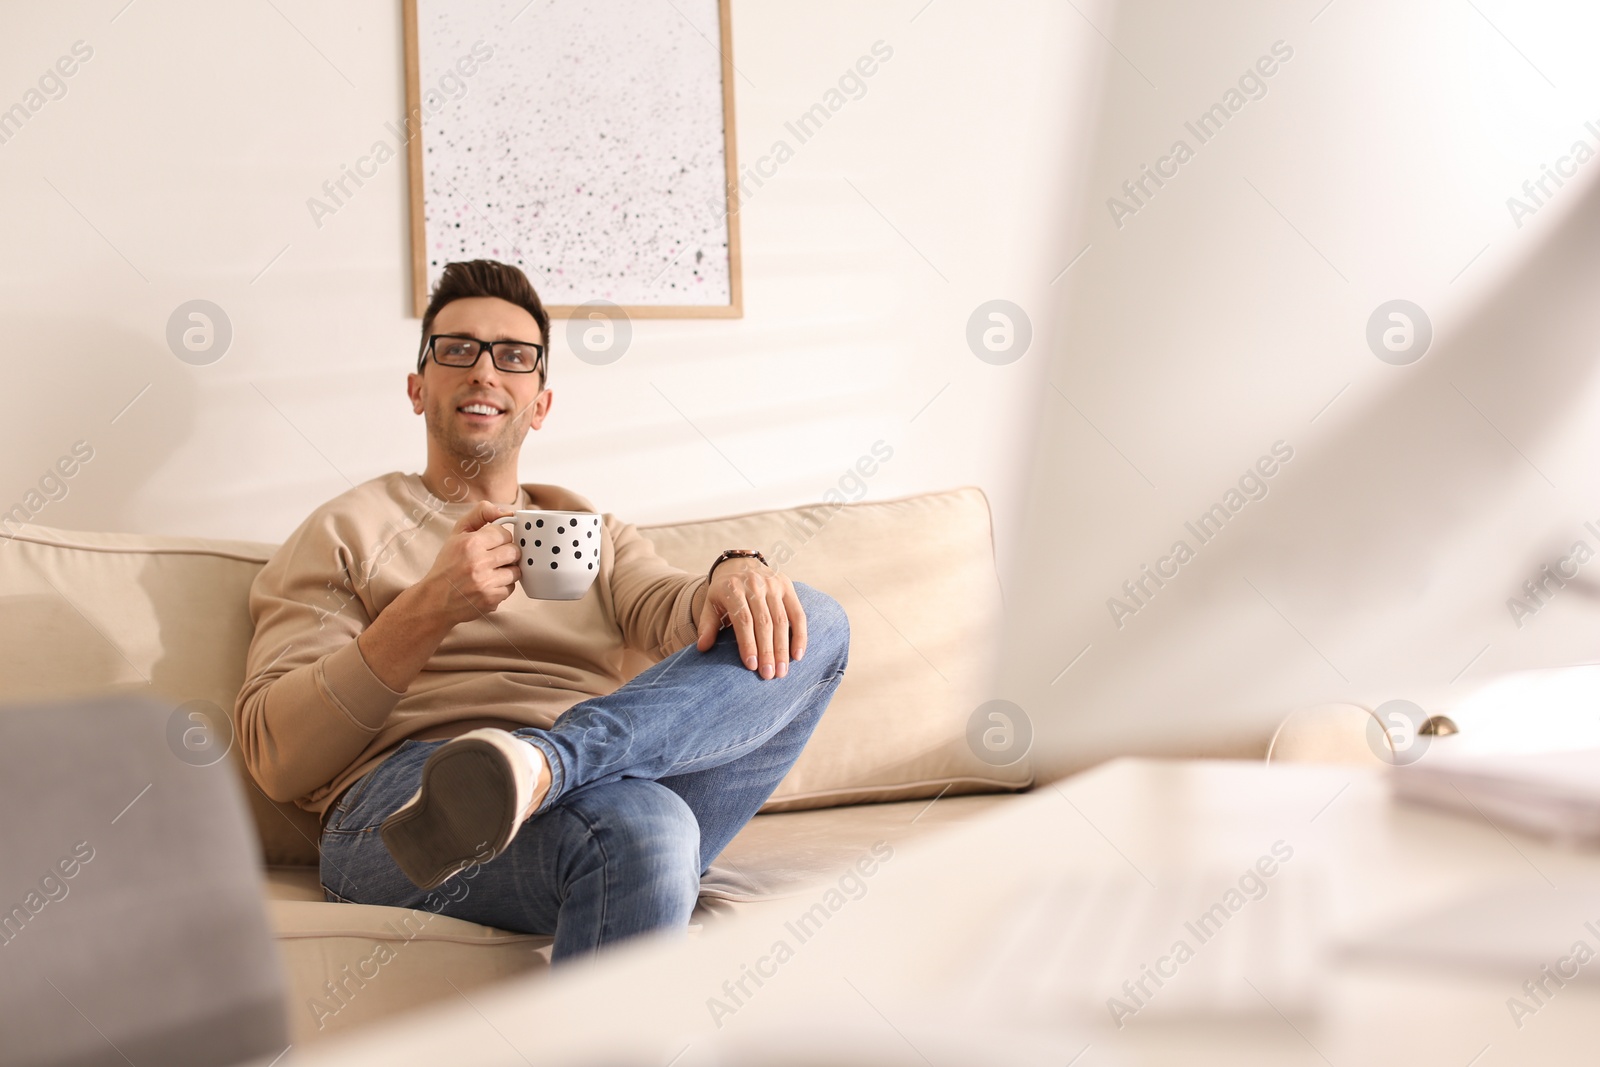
[[736, 553]]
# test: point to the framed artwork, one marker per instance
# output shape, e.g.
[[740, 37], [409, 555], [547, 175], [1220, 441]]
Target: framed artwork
[[589, 142]]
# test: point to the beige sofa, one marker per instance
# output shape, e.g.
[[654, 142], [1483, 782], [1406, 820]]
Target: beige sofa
[[891, 759]]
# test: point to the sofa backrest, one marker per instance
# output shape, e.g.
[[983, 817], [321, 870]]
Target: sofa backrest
[[82, 612]]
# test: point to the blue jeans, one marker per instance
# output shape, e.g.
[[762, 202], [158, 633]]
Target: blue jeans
[[649, 784]]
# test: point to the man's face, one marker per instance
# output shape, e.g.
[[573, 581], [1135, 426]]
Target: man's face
[[440, 393]]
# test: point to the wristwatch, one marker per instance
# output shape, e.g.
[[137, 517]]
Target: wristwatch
[[732, 553]]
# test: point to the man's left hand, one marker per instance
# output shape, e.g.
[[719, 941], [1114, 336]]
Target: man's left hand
[[764, 611]]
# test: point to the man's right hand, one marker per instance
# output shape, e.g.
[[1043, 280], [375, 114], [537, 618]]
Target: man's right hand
[[476, 568]]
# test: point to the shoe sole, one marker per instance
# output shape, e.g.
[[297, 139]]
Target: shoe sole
[[465, 809]]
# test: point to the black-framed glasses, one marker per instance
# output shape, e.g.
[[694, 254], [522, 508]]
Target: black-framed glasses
[[462, 350]]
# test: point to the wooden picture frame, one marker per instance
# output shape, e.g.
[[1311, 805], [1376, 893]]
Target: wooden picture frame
[[417, 178]]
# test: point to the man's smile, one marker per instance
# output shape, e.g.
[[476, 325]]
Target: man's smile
[[481, 411]]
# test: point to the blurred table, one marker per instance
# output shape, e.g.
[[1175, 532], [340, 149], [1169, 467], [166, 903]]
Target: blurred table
[[884, 972]]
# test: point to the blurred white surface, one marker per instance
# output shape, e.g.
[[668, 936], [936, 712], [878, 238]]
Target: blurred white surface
[[897, 965], [1392, 530], [1531, 711]]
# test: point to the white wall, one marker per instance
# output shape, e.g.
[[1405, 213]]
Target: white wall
[[178, 166], [1230, 311]]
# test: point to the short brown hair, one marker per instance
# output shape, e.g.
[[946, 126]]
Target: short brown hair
[[486, 277]]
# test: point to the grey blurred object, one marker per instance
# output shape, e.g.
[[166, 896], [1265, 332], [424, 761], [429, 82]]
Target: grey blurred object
[[132, 929]]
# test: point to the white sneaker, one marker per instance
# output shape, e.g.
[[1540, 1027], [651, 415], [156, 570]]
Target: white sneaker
[[476, 791]]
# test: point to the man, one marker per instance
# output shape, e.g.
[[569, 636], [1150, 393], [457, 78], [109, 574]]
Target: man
[[456, 734]]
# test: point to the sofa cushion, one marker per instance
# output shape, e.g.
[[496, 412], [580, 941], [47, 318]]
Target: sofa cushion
[[353, 964], [83, 611], [356, 963], [782, 854], [917, 578]]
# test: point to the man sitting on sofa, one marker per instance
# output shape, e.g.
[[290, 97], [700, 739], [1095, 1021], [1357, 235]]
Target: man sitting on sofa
[[455, 733]]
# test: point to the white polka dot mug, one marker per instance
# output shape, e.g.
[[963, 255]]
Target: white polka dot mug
[[560, 552]]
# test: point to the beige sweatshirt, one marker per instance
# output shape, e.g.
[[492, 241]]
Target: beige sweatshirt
[[312, 717]]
